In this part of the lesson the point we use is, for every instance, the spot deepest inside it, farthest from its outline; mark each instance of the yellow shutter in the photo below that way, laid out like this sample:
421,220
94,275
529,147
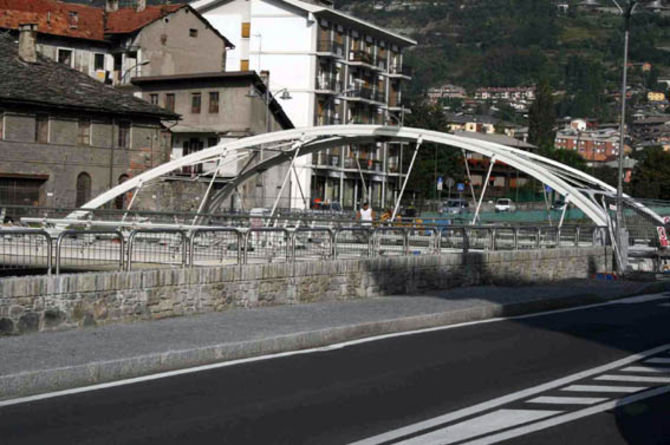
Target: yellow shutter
246,30
244,65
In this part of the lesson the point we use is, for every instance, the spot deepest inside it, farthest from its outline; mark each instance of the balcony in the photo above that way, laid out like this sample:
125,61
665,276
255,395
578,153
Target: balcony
327,83
326,119
400,71
362,57
330,47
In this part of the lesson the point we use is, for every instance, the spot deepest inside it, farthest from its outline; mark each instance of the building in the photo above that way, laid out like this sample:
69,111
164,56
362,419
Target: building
215,107
477,123
113,44
65,137
592,145
339,70
447,91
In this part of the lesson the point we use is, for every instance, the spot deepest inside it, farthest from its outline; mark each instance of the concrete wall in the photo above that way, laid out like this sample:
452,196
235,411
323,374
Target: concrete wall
30,304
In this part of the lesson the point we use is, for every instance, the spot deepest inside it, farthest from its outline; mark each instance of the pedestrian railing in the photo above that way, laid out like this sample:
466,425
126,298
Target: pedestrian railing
267,245
89,249
353,242
24,251
157,248
215,247
313,243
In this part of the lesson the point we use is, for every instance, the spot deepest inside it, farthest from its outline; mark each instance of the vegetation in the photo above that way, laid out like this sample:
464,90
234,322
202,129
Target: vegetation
519,42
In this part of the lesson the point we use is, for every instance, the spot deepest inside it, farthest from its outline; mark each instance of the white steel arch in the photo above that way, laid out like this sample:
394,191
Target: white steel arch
286,145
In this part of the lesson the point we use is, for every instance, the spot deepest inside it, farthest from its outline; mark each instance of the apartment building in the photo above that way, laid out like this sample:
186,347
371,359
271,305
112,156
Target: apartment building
113,44
592,145
338,69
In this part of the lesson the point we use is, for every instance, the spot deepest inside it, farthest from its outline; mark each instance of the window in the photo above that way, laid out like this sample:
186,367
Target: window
120,201
196,100
193,32
153,98
169,101
42,129
124,135
98,61
84,135
73,20
65,56
83,189
213,101
246,30
244,65
211,142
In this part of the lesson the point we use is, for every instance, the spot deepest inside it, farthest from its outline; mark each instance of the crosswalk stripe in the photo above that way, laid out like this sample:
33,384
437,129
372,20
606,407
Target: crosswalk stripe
567,400
495,421
633,378
603,388
654,369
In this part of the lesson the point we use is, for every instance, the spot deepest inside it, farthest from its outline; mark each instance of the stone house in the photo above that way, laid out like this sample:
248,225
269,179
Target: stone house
64,137
113,44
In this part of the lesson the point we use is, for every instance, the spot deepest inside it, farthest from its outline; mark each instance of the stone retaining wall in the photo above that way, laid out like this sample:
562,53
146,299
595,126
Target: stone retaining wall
42,303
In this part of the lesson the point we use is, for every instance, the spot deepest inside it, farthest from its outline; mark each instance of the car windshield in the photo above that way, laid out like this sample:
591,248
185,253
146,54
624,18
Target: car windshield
503,201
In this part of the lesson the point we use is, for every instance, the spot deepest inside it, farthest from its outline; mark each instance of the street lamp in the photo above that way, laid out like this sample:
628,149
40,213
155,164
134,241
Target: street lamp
138,64
627,10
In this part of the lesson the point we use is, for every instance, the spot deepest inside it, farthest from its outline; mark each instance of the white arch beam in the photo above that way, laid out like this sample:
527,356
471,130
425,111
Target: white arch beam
560,177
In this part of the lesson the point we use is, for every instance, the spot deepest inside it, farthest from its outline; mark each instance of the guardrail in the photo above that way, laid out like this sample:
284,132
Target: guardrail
83,249
24,251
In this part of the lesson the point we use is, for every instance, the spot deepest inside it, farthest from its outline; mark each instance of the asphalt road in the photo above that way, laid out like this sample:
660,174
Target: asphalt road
421,383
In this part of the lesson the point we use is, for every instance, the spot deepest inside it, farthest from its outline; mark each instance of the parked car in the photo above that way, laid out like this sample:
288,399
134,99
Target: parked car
505,205
558,205
455,206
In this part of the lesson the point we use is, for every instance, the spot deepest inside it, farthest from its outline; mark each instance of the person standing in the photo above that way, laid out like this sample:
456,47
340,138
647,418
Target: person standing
365,215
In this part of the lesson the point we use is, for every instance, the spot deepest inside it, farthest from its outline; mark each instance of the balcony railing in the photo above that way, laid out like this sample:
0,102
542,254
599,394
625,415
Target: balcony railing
327,120
330,46
361,56
328,84
401,70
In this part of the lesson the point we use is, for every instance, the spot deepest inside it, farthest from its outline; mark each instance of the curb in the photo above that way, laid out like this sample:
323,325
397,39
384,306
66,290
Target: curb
36,382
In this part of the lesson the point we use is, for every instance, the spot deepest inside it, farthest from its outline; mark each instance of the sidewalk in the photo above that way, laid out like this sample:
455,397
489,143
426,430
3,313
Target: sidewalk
43,362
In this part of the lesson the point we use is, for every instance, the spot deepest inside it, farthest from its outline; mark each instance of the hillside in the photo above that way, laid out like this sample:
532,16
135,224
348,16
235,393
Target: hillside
516,42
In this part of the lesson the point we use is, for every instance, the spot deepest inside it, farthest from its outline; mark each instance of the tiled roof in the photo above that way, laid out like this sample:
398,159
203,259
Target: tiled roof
50,84
127,20
53,17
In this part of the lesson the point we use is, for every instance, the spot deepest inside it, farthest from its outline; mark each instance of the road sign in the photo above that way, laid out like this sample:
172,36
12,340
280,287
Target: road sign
460,187
450,182
439,182
662,237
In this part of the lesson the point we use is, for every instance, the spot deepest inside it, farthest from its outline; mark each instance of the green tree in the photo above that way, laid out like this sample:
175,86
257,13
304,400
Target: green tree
541,117
651,176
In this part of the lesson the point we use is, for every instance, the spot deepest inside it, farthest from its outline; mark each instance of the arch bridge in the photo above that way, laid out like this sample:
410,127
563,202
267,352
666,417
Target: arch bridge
578,188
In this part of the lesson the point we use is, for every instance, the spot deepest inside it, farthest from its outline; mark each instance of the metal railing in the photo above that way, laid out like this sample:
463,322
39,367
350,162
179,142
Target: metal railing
157,248
29,251
89,249
25,251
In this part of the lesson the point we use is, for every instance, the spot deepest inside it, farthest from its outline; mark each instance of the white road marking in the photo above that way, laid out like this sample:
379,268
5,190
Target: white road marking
569,417
633,378
654,369
642,299
523,394
658,360
495,421
567,400
602,388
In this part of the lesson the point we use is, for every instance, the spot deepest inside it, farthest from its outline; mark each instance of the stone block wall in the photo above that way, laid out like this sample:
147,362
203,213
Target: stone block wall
43,303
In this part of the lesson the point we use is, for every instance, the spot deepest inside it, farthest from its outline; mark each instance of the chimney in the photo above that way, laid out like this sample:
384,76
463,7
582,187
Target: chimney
141,5
265,77
111,5
27,42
